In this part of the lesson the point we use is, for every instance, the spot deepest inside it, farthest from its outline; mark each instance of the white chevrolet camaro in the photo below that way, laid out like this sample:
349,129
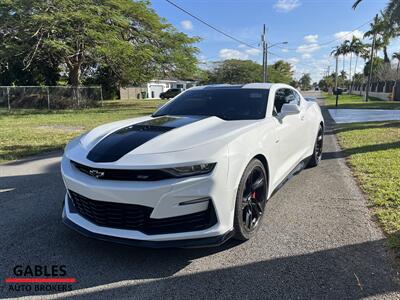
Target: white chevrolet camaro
197,172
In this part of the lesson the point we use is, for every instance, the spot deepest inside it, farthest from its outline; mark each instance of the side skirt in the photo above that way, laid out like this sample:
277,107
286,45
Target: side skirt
292,173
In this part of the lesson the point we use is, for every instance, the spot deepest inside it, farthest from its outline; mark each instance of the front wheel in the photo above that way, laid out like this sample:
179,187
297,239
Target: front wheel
317,153
250,201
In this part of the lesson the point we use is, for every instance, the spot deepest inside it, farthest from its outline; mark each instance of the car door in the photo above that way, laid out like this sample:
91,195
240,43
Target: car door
305,128
288,129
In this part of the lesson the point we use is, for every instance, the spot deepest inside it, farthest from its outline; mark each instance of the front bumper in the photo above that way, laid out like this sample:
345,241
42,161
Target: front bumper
186,243
164,197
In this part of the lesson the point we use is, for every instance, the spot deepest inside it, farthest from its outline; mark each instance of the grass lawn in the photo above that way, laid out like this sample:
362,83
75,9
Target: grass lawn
28,132
354,101
373,152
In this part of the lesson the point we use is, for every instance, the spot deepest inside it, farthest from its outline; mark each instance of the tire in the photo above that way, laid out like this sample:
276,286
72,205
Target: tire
250,201
317,153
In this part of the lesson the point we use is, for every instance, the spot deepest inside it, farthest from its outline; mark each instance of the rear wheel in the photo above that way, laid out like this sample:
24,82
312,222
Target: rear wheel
317,154
250,201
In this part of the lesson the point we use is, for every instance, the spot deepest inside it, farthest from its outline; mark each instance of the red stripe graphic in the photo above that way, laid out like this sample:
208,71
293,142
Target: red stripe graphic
37,280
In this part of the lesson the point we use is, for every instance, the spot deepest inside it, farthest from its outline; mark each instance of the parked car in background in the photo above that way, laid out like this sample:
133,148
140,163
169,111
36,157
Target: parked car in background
171,93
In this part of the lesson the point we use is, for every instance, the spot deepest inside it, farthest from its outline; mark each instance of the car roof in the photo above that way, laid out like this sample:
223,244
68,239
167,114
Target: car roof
257,85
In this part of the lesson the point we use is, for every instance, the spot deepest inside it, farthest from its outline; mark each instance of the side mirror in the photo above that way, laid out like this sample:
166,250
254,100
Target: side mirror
289,109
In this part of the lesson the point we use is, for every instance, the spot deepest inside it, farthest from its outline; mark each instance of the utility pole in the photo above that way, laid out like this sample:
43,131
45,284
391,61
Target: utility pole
336,79
371,61
265,57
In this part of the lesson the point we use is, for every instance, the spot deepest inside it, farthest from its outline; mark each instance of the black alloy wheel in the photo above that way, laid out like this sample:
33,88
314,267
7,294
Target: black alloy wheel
317,154
250,200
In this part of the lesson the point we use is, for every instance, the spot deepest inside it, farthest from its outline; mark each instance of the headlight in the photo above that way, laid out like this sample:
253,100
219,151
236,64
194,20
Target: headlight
191,170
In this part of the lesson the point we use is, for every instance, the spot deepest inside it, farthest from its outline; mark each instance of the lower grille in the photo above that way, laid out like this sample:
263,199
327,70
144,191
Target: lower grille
137,217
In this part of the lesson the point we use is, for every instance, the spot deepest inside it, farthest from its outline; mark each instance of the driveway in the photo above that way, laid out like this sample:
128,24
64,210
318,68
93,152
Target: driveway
364,115
317,241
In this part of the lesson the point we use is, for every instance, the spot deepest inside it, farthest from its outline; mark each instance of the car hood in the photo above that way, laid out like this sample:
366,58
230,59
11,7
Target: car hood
153,135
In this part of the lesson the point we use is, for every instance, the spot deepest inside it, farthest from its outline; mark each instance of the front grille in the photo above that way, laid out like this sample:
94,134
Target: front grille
137,217
120,174
110,214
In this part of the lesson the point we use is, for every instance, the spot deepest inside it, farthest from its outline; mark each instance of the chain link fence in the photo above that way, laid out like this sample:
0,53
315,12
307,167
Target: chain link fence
50,97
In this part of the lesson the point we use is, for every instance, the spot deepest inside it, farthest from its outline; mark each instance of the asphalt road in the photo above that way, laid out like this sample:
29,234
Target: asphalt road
317,241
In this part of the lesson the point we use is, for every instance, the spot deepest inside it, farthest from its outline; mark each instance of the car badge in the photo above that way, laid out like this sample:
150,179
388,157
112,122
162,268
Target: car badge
96,173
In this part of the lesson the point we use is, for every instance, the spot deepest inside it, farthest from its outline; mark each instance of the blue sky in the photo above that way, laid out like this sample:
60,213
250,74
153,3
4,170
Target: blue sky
304,24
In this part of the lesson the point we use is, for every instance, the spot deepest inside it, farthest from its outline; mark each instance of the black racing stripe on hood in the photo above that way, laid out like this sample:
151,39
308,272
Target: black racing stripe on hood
124,140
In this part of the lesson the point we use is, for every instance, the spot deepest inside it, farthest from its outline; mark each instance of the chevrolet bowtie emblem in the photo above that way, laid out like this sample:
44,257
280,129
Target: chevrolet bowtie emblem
96,173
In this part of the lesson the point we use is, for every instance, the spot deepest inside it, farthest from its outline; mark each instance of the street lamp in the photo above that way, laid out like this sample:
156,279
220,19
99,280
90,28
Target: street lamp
273,45
265,56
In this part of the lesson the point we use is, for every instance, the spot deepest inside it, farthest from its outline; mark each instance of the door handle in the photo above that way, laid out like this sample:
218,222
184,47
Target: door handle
302,117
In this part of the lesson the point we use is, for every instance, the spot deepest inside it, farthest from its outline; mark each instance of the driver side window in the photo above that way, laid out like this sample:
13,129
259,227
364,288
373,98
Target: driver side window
283,96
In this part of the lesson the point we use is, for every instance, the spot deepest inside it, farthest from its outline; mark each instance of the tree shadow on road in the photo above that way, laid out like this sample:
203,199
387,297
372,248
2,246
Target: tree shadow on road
362,149
366,125
32,233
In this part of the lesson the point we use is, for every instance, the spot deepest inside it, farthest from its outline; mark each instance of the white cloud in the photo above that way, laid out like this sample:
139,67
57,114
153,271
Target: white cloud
232,54
286,5
311,38
316,68
308,48
293,60
187,25
253,52
348,35
306,56
285,50
246,53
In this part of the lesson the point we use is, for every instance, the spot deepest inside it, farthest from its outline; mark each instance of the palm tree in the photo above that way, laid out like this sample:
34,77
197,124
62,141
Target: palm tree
385,31
392,10
345,49
356,47
396,55
337,51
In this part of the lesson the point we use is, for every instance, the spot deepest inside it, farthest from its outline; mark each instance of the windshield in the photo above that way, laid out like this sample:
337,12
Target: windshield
225,103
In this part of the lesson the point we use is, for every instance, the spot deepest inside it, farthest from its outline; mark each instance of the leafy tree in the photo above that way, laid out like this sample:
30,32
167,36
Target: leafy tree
236,71
358,78
377,63
294,83
280,71
305,81
328,82
125,38
14,73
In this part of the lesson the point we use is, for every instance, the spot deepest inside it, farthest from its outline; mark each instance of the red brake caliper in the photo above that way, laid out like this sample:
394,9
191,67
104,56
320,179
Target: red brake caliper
253,195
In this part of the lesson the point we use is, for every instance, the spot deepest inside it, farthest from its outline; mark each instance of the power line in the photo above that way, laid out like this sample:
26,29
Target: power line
330,41
211,26
285,58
